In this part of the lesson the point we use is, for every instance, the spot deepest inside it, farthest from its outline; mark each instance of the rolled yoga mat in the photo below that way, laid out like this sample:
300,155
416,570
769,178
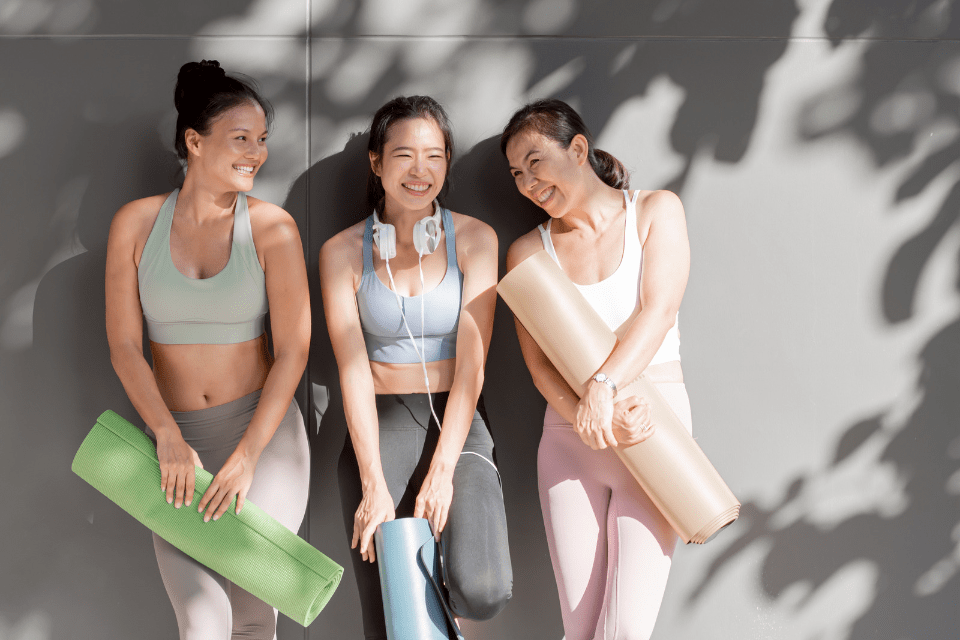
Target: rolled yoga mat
251,549
669,465
413,602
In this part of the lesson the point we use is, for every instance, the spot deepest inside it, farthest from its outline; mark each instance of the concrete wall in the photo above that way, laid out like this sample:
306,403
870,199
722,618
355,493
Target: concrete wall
814,144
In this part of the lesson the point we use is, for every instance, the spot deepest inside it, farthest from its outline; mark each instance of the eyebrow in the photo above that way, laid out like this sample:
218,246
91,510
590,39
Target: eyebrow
244,129
412,149
513,168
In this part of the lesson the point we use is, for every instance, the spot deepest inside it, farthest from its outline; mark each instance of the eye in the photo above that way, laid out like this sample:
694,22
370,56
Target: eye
534,161
515,174
241,137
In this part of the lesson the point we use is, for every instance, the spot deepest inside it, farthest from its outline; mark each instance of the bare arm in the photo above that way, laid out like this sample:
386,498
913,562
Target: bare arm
340,270
666,266
124,319
477,257
629,415
278,240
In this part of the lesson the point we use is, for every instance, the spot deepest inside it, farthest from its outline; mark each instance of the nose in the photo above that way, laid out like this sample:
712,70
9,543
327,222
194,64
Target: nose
529,180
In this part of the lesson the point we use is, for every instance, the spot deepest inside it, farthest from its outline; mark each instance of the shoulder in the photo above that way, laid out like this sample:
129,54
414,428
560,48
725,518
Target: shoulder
271,224
659,203
523,247
472,233
345,248
134,220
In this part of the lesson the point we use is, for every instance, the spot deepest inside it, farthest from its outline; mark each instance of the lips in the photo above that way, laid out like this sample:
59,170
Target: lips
545,195
417,188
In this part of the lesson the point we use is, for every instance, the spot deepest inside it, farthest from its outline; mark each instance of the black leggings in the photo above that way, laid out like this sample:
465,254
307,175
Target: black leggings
476,558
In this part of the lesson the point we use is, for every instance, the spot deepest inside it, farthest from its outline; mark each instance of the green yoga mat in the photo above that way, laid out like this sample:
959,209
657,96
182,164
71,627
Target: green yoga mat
251,550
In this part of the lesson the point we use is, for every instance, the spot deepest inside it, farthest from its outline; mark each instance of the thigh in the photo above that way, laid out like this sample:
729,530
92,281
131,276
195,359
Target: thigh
198,594
281,481
574,504
477,566
640,546
253,619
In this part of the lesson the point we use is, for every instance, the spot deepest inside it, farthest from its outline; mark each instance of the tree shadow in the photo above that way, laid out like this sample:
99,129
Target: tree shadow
897,469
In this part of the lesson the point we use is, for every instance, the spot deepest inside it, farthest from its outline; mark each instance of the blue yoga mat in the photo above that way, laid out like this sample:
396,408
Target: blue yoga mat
414,605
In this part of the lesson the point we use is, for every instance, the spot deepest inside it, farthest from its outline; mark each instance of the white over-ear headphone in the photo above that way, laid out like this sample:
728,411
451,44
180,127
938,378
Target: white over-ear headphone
426,235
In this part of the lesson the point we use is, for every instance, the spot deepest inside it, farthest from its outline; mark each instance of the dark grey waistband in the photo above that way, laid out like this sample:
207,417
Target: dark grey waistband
217,427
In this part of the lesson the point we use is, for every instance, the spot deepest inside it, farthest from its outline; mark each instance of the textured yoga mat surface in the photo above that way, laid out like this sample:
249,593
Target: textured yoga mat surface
251,549
669,465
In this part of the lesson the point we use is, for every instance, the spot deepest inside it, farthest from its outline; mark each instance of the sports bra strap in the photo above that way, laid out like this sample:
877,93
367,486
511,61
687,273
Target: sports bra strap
368,246
451,237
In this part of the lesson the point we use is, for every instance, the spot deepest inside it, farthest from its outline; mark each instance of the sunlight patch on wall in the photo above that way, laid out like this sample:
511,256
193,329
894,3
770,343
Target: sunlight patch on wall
263,59
420,17
36,625
40,16
549,16
832,610
274,17
13,128
638,134
16,316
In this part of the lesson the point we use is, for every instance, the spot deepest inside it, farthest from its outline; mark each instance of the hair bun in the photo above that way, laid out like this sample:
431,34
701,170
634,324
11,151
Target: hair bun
195,75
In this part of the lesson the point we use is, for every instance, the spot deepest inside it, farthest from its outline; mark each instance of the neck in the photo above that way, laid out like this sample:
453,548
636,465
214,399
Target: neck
403,218
598,201
199,202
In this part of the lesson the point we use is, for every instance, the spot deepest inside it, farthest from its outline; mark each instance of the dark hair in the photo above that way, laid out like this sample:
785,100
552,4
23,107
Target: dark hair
397,110
556,120
204,91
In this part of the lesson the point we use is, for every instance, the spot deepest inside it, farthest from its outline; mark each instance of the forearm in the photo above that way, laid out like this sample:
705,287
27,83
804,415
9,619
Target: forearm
278,389
359,406
141,387
640,344
457,417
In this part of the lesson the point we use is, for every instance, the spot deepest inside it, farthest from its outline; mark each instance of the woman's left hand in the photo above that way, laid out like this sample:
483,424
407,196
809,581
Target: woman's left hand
594,422
433,501
233,479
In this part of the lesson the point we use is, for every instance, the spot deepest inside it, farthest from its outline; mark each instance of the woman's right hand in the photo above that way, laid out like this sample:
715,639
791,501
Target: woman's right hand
631,421
177,461
375,507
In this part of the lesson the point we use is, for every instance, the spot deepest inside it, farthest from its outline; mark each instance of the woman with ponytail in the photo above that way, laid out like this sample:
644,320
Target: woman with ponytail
610,547
200,265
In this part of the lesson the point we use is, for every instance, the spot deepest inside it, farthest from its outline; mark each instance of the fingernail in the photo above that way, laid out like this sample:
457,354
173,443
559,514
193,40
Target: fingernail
216,517
169,500
188,502
206,518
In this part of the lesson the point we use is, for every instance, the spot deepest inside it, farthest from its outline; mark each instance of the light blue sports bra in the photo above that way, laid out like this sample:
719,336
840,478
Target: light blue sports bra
226,308
383,331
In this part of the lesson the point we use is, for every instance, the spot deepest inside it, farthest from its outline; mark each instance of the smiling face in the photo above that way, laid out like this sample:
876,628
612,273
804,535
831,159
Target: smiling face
234,150
545,172
413,165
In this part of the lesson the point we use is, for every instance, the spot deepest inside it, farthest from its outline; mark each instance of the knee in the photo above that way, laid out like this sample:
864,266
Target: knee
480,597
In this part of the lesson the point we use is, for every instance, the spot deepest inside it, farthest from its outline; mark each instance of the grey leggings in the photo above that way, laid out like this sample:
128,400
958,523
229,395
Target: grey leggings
476,558
207,605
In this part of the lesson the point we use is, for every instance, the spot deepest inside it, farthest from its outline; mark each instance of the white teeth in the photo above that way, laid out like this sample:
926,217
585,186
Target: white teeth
546,194
244,170
418,187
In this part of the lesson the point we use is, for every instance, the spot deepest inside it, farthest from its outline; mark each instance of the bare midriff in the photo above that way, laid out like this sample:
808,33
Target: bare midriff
408,378
198,376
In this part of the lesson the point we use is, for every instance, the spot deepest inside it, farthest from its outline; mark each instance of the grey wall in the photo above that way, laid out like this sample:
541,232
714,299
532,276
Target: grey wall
813,142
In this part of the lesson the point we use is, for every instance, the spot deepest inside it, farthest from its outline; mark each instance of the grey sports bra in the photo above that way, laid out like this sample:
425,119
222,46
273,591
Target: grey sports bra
226,308
385,337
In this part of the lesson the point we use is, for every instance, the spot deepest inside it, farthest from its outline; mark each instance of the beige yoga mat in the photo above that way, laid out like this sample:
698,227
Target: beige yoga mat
669,465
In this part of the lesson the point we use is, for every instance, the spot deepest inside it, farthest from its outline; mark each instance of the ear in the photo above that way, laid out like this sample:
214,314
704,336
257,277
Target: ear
192,140
374,163
580,148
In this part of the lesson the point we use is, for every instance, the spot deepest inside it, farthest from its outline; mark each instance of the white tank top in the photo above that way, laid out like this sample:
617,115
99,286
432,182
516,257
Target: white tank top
617,298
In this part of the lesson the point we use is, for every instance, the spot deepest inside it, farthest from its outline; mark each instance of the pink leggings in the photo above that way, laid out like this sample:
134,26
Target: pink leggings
611,549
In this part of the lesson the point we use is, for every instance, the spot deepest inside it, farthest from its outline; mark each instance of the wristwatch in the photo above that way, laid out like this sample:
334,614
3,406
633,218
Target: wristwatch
605,379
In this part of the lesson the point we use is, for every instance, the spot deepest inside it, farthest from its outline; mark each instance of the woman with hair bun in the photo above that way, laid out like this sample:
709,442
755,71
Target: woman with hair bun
409,297
610,547
203,265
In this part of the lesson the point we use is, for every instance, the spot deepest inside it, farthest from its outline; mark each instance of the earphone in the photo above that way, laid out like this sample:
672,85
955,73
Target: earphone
426,235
